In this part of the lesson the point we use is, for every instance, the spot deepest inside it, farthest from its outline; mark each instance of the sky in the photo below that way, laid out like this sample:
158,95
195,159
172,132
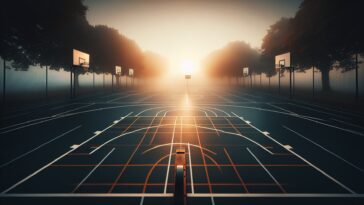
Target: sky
187,31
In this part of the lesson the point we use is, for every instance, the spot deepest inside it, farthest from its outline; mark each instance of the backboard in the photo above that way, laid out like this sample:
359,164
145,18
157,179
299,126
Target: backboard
188,77
131,72
283,61
81,59
245,71
118,70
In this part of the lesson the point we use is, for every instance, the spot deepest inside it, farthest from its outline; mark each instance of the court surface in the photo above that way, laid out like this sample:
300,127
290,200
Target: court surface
241,148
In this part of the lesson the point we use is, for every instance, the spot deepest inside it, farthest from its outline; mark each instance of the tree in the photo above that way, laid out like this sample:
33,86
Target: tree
42,32
229,60
45,32
322,33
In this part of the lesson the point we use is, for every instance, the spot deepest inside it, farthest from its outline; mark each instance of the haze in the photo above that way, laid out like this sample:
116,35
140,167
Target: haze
189,30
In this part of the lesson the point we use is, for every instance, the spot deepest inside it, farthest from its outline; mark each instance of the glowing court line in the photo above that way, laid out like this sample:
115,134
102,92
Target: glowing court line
170,156
89,174
178,109
177,143
266,170
159,112
204,161
68,111
213,125
60,157
203,195
238,134
303,159
236,171
87,195
191,173
209,110
40,146
141,112
227,114
207,128
279,195
330,152
136,148
149,174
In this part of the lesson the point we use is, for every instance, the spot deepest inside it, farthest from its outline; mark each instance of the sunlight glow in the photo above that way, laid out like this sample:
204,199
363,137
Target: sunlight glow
187,67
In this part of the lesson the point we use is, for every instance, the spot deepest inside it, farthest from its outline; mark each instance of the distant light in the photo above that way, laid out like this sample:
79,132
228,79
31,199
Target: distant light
187,67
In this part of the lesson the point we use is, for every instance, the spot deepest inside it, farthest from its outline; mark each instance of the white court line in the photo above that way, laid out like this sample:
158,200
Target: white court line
156,115
178,109
330,152
87,195
78,108
293,113
202,195
179,143
267,110
213,112
170,156
141,112
297,155
193,125
191,173
280,108
339,128
141,200
266,170
227,114
278,195
118,98
36,172
224,99
328,109
64,105
347,123
89,174
244,98
60,116
319,111
28,125
21,123
40,146
60,157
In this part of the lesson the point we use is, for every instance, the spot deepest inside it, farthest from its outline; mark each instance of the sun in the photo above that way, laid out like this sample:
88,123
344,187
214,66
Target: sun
187,66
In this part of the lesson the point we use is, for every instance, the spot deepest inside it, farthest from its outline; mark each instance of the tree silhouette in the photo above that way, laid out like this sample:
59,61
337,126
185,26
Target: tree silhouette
45,32
229,60
322,33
